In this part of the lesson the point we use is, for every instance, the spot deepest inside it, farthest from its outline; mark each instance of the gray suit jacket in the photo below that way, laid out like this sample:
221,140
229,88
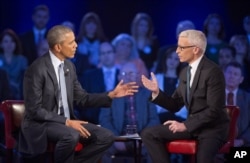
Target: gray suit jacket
41,102
207,115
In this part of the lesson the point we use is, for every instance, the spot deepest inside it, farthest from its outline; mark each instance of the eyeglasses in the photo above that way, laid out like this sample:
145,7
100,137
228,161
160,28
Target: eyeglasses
185,47
129,73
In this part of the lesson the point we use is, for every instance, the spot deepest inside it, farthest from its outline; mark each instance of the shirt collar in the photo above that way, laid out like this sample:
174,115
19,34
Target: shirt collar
195,64
234,91
105,69
55,61
37,31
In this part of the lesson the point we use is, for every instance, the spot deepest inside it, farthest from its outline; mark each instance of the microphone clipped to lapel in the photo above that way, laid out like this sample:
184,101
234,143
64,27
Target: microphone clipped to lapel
66,72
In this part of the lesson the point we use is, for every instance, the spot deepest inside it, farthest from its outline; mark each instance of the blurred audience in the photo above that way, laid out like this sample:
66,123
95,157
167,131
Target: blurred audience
181,26
32,37
99,80
69,24
237,96
126,51
226,55
89,37
142,30
239,42
42,47
130,110
12,61
4,86
215,33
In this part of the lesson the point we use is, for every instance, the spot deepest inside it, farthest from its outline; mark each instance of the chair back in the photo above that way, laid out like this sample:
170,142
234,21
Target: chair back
13,111
233,113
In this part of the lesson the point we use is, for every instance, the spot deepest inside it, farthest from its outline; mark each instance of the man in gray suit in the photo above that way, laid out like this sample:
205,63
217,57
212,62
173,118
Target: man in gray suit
43,121
234,77
119,115
203,95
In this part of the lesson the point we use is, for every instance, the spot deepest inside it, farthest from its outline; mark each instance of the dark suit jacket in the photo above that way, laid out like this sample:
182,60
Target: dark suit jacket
114,118
41,102
207,115
4,86
243,101
29,46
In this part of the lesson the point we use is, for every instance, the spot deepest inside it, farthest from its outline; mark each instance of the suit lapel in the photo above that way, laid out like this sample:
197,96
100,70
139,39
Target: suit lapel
196,78
52,75
67,80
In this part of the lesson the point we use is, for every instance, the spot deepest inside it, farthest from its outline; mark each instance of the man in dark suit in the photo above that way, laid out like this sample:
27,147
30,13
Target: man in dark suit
207,120
46,101
31,38
99,80
234,77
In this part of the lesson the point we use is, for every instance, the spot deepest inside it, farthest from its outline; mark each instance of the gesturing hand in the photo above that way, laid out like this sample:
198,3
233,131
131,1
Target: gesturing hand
175,126
151,85
77,125
124,89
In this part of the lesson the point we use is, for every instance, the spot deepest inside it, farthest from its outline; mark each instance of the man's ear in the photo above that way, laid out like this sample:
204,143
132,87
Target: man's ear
241,79
57,47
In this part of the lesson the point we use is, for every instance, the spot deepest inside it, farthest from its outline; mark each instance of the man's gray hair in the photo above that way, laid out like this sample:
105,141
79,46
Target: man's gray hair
195,37
56,35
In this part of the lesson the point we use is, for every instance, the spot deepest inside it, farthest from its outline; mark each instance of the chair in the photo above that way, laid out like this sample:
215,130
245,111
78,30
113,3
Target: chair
13,111
189,147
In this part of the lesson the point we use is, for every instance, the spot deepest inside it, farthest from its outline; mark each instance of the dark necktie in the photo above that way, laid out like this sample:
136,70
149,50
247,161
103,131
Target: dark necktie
39,37
188,83
63,102
230,98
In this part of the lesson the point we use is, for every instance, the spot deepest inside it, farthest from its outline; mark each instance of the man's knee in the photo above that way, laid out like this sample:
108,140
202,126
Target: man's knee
146,133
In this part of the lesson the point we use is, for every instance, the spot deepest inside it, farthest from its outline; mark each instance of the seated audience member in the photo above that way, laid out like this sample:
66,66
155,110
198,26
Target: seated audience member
89,37
246,26
69,24
135,110
31,38
12,61
99,80
4,86
4,95
168,81
142,30
226,55
126,51
181,26
215,32
237,96
240,43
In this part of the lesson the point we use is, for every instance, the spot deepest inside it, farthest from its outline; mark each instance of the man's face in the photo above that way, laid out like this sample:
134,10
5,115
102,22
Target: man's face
185,51
123,49
225,56
40,19
129,74
68,46
233,76
107,56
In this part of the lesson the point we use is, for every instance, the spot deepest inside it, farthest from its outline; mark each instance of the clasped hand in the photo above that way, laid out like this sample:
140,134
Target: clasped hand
78,125
175,126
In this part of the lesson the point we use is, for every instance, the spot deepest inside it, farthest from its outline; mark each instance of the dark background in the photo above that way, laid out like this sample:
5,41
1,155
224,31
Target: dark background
116,15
